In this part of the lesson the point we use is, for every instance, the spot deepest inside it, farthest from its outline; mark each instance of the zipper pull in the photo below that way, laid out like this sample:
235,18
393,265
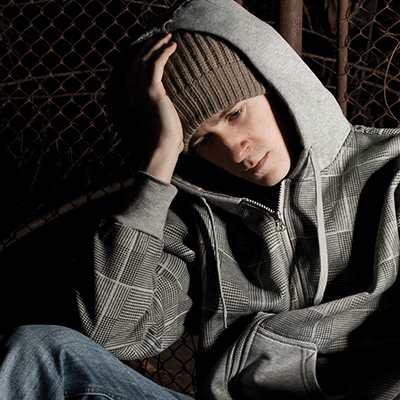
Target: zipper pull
280,225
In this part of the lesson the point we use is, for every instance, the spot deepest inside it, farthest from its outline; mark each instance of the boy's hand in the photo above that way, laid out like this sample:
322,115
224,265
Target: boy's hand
153,109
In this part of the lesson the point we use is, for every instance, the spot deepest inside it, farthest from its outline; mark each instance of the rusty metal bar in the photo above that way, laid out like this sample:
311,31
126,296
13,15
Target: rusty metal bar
291,23
342,55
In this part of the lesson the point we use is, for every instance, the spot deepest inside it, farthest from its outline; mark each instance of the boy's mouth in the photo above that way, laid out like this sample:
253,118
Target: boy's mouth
257,168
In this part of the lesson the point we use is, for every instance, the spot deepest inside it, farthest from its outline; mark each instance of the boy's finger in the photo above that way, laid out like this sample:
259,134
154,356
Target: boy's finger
164,54
147,70
158,66
155,46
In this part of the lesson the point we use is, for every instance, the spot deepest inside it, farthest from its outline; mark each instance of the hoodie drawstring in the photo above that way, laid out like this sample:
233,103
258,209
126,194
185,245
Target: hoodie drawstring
323,252
216,253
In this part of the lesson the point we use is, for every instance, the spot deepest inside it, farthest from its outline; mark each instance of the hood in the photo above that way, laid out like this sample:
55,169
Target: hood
320,122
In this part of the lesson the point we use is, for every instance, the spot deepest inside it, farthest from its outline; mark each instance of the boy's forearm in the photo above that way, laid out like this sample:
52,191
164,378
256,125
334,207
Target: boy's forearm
152,107
163,161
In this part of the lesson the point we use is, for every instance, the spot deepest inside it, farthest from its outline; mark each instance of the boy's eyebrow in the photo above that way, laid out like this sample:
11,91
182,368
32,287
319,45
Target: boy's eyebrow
216,118
222,113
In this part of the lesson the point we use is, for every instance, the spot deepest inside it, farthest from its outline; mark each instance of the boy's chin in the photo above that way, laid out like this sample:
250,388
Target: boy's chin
266,181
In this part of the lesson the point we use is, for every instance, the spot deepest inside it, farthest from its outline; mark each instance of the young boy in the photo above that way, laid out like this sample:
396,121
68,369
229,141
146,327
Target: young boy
274,237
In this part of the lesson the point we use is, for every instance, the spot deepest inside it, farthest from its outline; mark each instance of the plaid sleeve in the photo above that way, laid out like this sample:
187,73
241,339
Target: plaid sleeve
135,300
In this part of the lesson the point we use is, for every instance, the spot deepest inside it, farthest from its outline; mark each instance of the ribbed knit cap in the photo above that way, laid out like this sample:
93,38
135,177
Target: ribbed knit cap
205,76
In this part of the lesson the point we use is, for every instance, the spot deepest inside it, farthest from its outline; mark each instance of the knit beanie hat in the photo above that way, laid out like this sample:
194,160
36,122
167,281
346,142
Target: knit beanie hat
205,76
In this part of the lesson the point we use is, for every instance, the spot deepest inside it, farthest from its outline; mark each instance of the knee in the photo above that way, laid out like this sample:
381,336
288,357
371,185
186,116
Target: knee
40,339
33,359
28,333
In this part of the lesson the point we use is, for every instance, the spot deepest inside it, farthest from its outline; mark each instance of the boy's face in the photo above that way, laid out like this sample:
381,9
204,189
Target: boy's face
246,141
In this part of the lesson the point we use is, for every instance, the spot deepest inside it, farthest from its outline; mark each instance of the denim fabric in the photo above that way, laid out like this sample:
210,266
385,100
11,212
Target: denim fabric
52,362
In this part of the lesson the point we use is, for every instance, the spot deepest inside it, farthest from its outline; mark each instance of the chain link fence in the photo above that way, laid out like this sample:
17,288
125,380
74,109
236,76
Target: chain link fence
58,151
374,68
370,49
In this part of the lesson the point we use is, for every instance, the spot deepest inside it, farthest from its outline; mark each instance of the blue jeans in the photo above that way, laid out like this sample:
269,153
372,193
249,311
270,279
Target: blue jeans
40,362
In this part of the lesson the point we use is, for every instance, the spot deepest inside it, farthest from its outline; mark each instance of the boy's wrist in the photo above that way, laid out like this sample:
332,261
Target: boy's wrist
163,161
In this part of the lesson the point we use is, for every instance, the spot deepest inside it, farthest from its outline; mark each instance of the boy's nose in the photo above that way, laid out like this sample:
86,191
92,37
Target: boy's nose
237,148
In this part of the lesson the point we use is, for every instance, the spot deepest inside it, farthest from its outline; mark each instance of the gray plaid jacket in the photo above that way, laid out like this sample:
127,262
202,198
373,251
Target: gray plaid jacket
248,271
286,300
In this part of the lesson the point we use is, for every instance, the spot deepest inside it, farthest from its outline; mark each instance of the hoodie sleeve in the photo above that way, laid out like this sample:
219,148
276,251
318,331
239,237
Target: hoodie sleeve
136,299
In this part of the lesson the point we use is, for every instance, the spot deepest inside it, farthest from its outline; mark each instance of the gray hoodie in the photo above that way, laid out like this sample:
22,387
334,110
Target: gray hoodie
294,300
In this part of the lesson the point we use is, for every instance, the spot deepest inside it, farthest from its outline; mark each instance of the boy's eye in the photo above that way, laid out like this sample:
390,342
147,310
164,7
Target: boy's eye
202,141
235,114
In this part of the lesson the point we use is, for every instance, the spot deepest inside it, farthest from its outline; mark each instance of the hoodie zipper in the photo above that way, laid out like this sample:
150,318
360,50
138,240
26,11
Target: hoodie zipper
277,215
280,224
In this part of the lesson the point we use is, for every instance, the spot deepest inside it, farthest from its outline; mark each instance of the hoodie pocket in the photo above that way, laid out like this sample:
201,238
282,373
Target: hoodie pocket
276,367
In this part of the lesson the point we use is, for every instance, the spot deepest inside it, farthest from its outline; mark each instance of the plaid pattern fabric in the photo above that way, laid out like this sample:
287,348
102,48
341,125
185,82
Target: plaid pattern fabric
136,284
145,286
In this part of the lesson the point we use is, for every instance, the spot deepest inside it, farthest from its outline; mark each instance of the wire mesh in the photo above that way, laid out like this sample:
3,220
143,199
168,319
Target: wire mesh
56,141
373,70
58,150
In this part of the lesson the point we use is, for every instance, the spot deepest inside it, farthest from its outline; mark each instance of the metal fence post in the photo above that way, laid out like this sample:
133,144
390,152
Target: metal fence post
342,56
291,23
